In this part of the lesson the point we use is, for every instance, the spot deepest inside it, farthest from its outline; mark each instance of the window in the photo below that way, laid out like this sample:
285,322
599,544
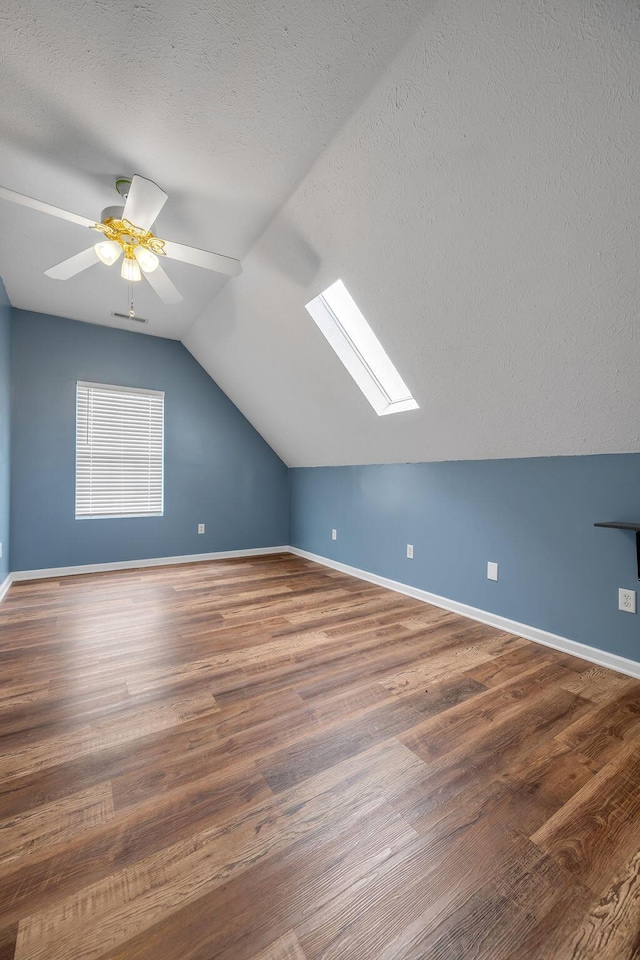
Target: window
337,314
119,451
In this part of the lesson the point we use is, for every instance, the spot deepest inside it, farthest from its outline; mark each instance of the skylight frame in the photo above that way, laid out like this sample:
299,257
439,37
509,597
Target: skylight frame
345,328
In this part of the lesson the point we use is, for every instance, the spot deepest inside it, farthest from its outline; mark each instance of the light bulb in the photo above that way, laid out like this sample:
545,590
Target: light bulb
146,258
108,251
130,269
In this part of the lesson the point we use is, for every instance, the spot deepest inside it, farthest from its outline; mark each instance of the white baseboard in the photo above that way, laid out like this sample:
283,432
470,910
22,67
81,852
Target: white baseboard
49,573
5,586
600,657
610,660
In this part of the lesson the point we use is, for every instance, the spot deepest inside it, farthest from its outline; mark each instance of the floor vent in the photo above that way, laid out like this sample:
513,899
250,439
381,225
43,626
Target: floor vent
125,316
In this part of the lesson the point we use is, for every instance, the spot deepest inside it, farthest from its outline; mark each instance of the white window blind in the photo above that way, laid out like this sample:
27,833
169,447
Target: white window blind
119,451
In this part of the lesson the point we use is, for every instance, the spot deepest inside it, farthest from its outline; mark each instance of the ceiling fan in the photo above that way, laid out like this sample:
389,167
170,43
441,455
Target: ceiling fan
127,231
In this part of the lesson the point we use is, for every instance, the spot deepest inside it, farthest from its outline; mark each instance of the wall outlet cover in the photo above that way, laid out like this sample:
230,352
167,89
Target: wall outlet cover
409,551
201,528
627,600
334,534
492,570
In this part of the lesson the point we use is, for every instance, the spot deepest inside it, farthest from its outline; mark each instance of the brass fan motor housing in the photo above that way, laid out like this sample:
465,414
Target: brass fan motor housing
129,237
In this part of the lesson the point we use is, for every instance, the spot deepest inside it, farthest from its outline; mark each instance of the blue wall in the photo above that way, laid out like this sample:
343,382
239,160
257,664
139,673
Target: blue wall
218,469
5,432
534,517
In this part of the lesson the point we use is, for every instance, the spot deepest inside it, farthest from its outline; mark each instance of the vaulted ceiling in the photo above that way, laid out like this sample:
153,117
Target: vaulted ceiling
469,168
224,103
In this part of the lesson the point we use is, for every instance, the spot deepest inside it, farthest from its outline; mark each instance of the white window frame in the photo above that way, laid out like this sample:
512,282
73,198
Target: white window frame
339,318
115,388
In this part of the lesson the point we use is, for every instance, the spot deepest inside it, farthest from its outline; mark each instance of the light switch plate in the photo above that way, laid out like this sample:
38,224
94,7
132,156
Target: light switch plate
492,571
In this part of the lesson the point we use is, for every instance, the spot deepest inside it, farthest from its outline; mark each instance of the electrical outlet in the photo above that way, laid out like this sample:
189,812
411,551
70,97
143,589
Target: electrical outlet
492,571
201,528
0,549
409,551
334,534
627,600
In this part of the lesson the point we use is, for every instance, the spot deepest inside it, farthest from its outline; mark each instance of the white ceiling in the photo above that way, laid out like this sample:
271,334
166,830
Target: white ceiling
483,207
476,185
225,104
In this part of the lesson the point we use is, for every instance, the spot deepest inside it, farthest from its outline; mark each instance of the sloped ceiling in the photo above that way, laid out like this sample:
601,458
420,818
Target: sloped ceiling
483,208
224,103
469,168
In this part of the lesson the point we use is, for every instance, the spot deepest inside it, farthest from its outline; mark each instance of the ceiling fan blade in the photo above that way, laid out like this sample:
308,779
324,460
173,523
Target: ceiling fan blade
202,258
69,268
42,207
144,202
163,286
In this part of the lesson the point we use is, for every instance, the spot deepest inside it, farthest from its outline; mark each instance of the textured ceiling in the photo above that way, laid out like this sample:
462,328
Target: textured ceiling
469,168
483,207
224,103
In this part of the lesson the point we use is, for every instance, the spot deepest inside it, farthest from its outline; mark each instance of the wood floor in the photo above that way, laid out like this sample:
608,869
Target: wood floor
265,760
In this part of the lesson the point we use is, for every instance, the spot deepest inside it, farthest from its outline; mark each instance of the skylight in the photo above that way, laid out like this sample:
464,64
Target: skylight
337,314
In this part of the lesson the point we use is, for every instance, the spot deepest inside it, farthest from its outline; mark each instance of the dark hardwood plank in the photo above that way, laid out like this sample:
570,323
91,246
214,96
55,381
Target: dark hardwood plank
276,894
114,910
601,732
610,802
261,759
8,937
285,948
127,837
610,925
314,753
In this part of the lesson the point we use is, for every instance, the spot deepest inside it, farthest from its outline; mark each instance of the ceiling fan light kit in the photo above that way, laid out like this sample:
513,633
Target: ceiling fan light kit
140,247
127,231
108,251
130,270
146,258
